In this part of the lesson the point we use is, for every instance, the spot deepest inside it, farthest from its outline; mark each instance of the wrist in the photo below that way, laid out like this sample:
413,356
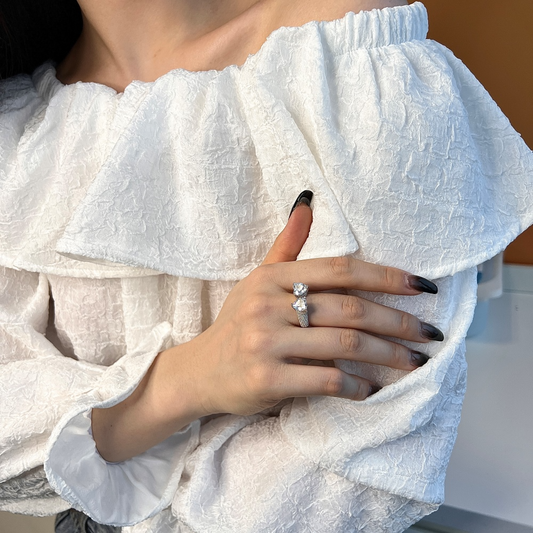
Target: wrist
176,386
163,403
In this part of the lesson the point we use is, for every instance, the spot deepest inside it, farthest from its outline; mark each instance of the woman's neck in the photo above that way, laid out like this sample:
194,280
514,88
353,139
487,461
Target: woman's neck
125,40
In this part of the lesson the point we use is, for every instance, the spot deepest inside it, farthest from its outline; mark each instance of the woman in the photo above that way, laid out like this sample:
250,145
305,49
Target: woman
168,387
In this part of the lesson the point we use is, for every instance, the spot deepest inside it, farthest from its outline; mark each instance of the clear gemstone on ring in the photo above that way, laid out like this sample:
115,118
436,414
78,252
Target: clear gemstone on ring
300,305
300,289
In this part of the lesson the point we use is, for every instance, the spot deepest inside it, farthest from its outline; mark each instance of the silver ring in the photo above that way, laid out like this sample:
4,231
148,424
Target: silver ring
300,290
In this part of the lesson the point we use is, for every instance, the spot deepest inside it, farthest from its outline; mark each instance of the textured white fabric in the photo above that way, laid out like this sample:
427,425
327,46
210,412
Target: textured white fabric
137,212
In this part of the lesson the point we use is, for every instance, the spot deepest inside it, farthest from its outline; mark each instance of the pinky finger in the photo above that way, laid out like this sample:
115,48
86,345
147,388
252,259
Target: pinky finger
310,380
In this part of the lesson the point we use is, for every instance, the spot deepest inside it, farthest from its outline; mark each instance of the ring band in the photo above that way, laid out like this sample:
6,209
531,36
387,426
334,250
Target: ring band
300,290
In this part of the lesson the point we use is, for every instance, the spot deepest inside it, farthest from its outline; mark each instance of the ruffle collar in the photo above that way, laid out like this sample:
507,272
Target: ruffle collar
194,174
364,29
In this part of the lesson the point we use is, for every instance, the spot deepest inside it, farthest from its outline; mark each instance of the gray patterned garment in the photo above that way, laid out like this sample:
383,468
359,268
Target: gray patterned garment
72,521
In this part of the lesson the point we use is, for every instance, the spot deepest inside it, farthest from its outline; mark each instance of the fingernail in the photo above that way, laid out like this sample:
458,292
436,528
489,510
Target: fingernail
422,284
374,389
431,332
304,197
418,359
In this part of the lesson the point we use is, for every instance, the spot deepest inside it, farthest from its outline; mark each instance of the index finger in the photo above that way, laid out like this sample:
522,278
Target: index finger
350,273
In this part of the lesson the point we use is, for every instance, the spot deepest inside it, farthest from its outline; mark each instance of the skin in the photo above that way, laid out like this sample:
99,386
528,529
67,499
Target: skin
126,40
255,354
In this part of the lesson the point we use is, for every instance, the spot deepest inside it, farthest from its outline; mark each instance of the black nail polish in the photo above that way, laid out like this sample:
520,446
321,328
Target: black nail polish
422,284
304,197
418,359
374,389
431,332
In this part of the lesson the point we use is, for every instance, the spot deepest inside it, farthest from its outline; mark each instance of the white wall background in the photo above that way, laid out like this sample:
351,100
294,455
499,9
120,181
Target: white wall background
491,469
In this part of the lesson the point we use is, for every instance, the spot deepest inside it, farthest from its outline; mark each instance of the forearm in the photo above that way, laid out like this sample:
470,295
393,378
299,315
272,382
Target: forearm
163,403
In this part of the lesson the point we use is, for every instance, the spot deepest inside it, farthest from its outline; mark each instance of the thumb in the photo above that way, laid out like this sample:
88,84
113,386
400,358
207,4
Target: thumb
290,241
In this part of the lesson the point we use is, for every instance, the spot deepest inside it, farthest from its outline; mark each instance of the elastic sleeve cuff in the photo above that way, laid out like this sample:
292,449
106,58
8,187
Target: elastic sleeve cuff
120,494
124,493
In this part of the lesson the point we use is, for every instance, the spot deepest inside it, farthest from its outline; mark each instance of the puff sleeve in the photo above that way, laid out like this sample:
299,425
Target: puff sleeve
45,403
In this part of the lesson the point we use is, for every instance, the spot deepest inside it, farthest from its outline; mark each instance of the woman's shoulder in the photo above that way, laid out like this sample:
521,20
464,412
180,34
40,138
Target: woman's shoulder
300,12
297,16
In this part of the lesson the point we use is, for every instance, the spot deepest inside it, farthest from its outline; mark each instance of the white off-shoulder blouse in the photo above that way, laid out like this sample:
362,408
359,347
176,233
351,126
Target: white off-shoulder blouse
126,218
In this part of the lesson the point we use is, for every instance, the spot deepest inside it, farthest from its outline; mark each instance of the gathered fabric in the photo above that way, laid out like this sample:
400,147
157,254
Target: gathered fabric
127,218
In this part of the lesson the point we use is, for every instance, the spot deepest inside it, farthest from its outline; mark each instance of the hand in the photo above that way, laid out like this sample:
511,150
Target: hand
247,360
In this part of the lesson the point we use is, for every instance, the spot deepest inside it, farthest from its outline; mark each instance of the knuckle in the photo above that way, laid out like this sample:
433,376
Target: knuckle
341,266
257,308
406,325
261,274
388,275
353,308
398,356
257,343
334,382
350,341
265,380
252,308
260,379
